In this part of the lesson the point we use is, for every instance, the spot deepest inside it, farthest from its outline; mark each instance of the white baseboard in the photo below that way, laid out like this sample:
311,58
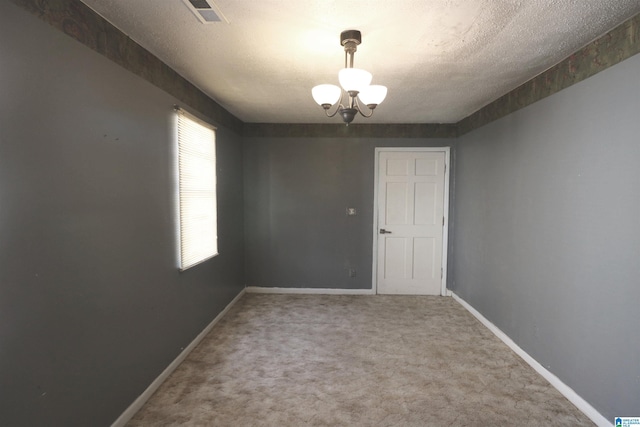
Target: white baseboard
566,391
320,291
142,399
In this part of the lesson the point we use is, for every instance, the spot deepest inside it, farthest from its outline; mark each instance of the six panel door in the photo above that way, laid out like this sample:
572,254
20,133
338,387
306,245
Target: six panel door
410,222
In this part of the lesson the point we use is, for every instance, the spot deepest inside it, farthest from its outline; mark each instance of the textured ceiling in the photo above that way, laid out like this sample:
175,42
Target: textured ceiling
441,59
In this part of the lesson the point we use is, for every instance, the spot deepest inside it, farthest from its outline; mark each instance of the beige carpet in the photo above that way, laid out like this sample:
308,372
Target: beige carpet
298,360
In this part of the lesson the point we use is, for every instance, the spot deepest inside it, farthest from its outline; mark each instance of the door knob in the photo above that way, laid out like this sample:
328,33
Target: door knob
383,231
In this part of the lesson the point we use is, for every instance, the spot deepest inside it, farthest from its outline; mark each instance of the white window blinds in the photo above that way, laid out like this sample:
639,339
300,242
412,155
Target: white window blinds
197,190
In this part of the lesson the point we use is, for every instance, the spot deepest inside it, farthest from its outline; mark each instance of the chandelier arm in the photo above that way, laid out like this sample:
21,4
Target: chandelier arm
359,108
338,106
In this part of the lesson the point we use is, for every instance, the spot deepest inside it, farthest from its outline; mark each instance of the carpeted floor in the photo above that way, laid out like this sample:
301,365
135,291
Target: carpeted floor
320,360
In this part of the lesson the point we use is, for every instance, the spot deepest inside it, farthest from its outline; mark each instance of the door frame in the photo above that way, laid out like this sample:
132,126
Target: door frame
445,227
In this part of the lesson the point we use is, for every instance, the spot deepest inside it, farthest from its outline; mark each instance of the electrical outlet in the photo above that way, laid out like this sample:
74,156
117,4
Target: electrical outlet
352,272
352,212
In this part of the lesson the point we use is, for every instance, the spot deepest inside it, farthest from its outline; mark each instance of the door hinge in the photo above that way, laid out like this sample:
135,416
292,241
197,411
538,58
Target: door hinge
443,221
441,272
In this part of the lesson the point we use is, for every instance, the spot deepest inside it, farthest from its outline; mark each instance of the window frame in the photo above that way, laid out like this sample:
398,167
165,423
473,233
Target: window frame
196,190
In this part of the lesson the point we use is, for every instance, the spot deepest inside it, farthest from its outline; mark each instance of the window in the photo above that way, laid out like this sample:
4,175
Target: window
196,190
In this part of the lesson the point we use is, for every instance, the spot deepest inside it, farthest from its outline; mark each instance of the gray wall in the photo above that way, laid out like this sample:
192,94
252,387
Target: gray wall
547,237
92,306
297,191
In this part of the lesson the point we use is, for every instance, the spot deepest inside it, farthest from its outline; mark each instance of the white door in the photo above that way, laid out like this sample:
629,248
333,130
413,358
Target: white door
411,187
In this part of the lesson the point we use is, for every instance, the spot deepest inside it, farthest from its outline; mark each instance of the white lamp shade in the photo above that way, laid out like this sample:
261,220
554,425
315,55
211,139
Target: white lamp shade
354,79
373,94
326,94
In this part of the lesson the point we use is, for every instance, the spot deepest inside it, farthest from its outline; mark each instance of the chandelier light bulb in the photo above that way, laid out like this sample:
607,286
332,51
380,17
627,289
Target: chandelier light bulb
326,94
354,79
373,95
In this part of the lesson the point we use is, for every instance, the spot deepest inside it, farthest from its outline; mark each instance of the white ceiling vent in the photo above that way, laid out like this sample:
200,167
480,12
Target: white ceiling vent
206,11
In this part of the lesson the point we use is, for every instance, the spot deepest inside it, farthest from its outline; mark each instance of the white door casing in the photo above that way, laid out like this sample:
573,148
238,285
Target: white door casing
410,226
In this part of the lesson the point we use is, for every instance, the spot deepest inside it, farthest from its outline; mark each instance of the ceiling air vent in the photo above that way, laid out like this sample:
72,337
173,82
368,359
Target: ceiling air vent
206,11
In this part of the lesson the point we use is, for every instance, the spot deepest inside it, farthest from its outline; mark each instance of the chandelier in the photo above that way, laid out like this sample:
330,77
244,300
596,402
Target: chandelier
354,81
